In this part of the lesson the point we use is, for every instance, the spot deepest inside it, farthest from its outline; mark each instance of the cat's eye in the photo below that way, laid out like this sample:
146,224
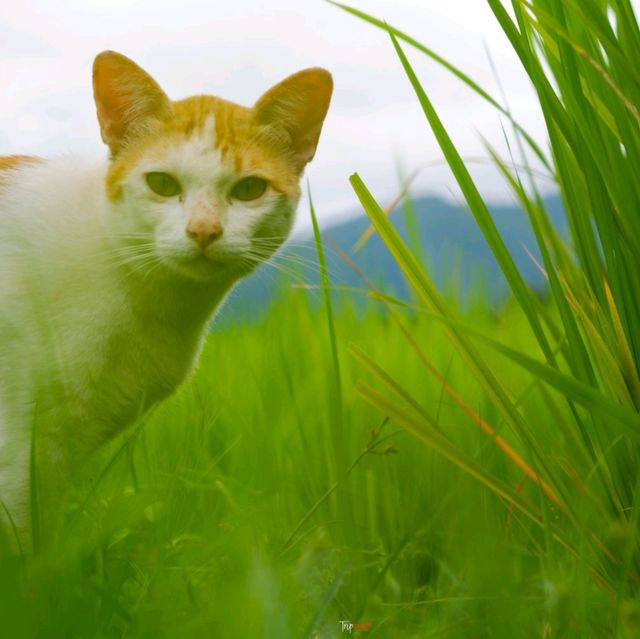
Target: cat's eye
248,189
163,184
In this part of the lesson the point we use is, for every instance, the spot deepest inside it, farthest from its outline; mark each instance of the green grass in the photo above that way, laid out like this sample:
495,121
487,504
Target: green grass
430,472
223,516
228,513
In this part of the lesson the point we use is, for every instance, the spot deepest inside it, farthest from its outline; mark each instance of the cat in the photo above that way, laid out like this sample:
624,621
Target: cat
110,271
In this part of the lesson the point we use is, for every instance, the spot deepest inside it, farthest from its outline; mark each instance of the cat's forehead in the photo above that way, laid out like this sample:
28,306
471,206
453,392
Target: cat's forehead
191,113
194,151
191,138
211,131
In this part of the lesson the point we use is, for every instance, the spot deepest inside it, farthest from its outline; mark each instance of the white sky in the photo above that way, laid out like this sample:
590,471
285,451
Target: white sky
238,48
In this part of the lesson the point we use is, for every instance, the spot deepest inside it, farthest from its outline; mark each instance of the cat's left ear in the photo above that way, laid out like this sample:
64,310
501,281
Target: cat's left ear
127,99
298,105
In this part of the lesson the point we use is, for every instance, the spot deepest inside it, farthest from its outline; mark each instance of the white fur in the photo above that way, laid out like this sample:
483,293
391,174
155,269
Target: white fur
90,334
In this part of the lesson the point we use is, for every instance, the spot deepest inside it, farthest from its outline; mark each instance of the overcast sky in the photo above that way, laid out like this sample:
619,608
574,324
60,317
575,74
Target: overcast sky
237,49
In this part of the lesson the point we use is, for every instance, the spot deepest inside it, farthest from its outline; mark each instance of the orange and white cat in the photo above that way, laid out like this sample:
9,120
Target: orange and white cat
110,271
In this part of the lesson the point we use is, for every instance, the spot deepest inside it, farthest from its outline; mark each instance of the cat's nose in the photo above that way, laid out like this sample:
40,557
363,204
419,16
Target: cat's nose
204,229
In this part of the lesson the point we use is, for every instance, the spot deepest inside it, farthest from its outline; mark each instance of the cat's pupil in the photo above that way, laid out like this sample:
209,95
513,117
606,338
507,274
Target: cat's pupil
163,184
250,188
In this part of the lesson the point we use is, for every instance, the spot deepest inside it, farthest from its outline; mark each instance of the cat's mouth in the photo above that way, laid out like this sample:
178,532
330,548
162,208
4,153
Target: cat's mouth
205,264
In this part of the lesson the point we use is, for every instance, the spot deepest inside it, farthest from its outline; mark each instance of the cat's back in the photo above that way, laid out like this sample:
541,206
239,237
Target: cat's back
56,288
16,171
51,232
52,214
11,163
56,189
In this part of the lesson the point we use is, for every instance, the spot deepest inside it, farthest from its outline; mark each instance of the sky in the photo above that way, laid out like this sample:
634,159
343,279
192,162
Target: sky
238,49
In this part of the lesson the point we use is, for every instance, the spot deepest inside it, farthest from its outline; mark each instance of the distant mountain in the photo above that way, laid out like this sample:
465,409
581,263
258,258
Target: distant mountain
451,247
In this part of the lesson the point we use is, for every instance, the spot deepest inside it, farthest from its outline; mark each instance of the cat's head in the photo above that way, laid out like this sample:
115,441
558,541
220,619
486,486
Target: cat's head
202,185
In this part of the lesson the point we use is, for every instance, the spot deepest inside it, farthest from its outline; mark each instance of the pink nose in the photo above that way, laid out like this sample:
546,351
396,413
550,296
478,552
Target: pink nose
204,230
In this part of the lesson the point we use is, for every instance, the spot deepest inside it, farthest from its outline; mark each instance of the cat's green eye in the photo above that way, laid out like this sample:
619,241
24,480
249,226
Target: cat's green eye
247,189
163,184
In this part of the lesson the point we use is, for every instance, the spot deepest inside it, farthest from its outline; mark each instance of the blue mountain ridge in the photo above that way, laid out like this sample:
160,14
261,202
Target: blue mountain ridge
452,249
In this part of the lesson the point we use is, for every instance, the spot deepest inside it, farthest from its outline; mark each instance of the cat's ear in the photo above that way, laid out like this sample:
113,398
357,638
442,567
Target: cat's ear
298,105
127,98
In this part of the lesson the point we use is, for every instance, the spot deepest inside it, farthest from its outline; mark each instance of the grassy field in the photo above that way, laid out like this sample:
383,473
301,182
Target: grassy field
257,503
401,465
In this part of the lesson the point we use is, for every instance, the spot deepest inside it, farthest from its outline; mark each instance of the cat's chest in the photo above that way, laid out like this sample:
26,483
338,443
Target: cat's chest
152,361
121,364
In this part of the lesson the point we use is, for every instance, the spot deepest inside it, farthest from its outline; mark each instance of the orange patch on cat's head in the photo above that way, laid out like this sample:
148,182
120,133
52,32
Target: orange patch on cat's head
245,147
11,162
276,137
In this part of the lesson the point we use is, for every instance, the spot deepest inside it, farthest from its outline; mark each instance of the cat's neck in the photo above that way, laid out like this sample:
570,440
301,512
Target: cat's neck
166,299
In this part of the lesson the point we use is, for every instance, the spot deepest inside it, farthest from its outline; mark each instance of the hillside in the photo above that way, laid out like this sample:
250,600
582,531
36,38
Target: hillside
452,248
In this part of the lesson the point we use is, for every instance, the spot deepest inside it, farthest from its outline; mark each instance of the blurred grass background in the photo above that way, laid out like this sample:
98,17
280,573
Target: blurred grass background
231,513
427,471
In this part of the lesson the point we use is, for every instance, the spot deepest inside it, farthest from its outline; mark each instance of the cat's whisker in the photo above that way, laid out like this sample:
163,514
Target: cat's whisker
134,234
271,246
139,263
284,269
125,250
129,261
292,259
138,257
297,260
278,241
252,262
132,250
284,241
287,264
309,242
152,268
124,257
256,260
330,255
129,242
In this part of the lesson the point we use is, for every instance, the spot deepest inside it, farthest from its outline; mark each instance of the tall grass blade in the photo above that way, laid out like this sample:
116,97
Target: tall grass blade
477,206
326,290
450,67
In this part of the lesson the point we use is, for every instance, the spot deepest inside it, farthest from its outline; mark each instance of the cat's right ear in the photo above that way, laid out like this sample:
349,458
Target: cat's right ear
126,97
298,105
